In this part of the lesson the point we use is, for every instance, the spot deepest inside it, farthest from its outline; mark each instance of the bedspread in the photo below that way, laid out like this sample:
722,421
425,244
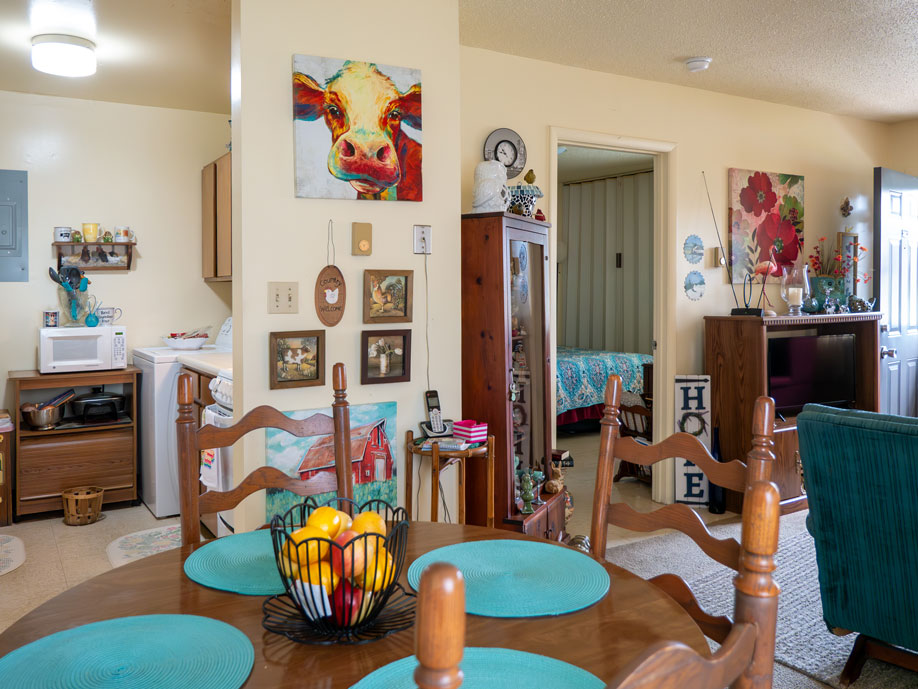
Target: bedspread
582,375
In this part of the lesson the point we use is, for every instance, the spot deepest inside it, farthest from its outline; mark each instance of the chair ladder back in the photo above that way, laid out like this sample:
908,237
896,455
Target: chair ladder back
191,440
439,637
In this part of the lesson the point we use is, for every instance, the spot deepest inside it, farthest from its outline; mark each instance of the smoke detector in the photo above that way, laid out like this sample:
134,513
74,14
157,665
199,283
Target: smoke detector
698,64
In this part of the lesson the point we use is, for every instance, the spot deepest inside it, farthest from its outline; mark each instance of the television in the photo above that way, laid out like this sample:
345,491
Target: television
811,368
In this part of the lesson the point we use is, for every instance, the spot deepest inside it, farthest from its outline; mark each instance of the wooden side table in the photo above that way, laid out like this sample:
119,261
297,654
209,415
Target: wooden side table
6,477
440,460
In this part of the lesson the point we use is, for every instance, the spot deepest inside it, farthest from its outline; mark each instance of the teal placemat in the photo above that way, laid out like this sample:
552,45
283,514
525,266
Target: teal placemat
509,578
143,652
241,563
491,668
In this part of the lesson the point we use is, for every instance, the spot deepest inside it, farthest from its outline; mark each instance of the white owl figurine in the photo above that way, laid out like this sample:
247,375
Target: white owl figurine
491,193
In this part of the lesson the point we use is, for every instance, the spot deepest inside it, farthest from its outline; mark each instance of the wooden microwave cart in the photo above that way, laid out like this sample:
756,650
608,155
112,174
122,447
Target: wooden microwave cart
101,454
736,358
505,279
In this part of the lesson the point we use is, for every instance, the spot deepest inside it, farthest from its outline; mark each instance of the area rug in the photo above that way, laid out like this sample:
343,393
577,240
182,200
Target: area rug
803,641
12,553
143,543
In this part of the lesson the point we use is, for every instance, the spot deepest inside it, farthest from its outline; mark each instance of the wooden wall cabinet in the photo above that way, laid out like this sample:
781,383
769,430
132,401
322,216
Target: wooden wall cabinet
217,219
101,454
736,358
505,344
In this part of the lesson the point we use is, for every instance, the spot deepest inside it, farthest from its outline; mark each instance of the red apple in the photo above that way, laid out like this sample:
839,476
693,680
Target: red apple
349,560
347,600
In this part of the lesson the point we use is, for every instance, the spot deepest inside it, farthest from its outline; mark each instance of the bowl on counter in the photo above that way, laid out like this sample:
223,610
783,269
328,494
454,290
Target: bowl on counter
42,419
185,342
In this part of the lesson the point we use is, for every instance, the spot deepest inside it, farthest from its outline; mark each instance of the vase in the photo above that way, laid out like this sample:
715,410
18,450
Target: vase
383,364
828,287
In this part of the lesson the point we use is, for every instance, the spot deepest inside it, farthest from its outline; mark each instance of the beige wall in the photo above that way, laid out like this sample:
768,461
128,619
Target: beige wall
710,131
116,164
903,149
284,238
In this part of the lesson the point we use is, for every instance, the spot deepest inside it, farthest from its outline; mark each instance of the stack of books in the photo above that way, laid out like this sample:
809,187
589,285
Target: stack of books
446,443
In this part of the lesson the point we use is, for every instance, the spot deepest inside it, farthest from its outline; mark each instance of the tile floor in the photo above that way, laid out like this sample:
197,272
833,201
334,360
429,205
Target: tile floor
60,556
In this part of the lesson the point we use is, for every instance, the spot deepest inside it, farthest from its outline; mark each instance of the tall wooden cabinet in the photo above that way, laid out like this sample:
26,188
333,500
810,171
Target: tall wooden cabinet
217,219
736,358
506,378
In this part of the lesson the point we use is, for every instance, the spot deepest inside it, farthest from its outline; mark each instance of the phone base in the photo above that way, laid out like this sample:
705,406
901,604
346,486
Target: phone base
430,433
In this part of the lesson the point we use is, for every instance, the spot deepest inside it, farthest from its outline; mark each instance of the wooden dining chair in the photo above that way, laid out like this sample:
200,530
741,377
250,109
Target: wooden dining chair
734,475
191,440
439,637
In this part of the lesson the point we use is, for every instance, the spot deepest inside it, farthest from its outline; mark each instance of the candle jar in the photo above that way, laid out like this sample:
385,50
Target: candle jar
795,288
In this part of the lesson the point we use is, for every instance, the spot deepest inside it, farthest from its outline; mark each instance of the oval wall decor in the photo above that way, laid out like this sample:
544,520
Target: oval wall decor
331,295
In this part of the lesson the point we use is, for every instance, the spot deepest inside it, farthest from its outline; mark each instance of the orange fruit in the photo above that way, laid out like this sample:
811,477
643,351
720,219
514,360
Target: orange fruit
378,572
326,518
320,574
369,522
345,523
309,552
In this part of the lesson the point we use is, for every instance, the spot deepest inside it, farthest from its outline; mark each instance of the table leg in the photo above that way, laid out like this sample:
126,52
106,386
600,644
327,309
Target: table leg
409,473
461,496
434,481
490,482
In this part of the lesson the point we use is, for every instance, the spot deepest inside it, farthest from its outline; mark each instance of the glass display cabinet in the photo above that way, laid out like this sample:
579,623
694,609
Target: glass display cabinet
506,367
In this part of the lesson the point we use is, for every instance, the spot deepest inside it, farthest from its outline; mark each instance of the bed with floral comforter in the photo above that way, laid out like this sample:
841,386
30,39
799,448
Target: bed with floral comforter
582,375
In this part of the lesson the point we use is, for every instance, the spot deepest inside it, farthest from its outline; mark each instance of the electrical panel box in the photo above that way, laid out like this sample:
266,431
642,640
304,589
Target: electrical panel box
14,226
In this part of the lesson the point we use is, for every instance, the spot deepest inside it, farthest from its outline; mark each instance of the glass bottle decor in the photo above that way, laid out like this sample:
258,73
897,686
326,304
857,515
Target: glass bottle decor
795,287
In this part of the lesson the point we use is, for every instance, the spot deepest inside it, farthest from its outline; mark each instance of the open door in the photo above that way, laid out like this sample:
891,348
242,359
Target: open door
895,221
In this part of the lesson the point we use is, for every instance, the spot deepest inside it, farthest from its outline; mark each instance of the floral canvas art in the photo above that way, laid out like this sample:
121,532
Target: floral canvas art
766,221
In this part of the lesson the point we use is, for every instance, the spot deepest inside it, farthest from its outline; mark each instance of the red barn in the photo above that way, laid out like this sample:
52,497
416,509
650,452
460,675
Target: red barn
371,456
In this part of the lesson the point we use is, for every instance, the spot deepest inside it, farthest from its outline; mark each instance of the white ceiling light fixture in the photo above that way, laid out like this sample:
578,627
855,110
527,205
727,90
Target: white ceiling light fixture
64,55
697,64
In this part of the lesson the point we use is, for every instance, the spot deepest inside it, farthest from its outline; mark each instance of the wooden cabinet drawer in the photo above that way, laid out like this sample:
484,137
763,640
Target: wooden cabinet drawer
47,466
554,524
536,524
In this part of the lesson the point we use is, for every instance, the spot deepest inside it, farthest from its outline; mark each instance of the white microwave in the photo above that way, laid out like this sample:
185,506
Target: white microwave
82,349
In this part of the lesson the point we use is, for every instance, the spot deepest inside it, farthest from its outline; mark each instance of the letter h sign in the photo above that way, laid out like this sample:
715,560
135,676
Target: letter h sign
693,415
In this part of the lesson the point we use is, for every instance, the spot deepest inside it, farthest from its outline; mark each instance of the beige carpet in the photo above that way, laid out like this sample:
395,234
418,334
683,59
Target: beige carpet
12,553
803,642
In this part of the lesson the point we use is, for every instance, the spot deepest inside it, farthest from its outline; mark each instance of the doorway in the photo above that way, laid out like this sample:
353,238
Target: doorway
660,155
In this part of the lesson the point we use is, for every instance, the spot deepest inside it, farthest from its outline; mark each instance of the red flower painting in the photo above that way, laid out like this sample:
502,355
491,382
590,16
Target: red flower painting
758,197
780,235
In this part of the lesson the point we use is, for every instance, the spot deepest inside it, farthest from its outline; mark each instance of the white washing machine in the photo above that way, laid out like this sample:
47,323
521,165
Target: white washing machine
160,368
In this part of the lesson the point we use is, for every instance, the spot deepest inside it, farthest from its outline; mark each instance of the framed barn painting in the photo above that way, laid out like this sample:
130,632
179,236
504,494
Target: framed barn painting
385,356
373,456
766,222
388,296
357,130
297,359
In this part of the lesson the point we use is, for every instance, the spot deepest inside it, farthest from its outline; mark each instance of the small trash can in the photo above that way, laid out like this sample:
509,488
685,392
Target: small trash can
82,505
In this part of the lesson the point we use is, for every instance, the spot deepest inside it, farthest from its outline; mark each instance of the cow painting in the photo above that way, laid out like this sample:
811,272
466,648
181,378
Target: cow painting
357,130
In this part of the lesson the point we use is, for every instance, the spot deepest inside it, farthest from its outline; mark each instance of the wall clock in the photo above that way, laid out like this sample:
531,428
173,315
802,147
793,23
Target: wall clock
507,147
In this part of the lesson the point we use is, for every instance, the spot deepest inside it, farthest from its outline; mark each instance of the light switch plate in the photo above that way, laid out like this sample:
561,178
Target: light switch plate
283,297
361,239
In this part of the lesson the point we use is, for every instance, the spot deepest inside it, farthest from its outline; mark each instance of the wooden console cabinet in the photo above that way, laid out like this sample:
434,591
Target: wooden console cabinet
71,455
506,379
736,358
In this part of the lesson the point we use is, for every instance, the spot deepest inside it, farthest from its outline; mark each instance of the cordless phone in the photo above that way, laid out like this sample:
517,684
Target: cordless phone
436,425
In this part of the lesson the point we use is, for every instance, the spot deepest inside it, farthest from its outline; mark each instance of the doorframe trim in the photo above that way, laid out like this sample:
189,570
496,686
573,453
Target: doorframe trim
664,266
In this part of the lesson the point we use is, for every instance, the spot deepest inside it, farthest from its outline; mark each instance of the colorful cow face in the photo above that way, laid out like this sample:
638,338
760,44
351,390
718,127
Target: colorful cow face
364,112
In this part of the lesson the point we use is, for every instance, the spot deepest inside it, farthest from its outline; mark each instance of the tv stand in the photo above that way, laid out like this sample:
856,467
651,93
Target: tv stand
736,358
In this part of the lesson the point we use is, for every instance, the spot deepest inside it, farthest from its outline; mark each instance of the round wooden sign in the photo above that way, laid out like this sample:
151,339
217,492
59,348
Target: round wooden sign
331,295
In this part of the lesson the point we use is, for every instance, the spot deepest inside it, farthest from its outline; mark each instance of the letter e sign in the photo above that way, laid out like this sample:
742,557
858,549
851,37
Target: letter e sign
331,295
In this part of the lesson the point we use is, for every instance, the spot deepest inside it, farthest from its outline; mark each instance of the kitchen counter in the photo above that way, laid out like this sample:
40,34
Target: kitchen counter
208,362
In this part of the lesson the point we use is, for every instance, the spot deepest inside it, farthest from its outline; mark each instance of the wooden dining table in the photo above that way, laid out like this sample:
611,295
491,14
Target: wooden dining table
601,638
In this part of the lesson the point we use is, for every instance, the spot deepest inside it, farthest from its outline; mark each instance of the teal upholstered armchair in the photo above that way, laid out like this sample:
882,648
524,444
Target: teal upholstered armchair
861,474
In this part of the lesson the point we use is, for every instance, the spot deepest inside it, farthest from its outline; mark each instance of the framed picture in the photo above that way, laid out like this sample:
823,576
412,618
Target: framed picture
387,296
847,248
385,356
297,359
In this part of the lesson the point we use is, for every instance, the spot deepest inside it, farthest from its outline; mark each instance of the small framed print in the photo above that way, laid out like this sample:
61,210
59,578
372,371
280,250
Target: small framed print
385,356
387,296
297,359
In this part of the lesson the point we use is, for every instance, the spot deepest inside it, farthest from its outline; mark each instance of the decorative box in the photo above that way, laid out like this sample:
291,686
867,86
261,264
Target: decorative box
471,431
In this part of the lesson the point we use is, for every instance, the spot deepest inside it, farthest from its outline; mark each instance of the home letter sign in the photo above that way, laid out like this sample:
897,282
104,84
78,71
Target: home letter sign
693,415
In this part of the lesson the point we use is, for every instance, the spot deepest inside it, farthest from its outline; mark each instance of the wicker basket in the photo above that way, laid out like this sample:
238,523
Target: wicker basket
82,505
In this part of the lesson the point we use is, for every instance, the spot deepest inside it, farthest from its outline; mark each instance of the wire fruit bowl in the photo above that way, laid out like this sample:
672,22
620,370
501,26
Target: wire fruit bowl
339,592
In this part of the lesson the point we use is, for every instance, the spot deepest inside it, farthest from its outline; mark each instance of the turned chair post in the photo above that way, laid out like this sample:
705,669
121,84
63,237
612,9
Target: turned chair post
756,591
342,417
188,462
610,425
761,458
440,629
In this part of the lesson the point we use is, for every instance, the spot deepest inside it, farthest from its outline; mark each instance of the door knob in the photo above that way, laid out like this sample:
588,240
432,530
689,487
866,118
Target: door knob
887,352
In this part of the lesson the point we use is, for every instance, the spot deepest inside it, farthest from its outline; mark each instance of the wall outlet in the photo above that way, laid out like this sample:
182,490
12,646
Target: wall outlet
422,239
283,297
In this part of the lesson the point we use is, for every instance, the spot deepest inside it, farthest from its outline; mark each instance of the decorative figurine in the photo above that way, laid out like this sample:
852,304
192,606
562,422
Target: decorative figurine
526,493
858,305
84,255
107,237
76,236
529,177
101,255
539,215
556,483
491,193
